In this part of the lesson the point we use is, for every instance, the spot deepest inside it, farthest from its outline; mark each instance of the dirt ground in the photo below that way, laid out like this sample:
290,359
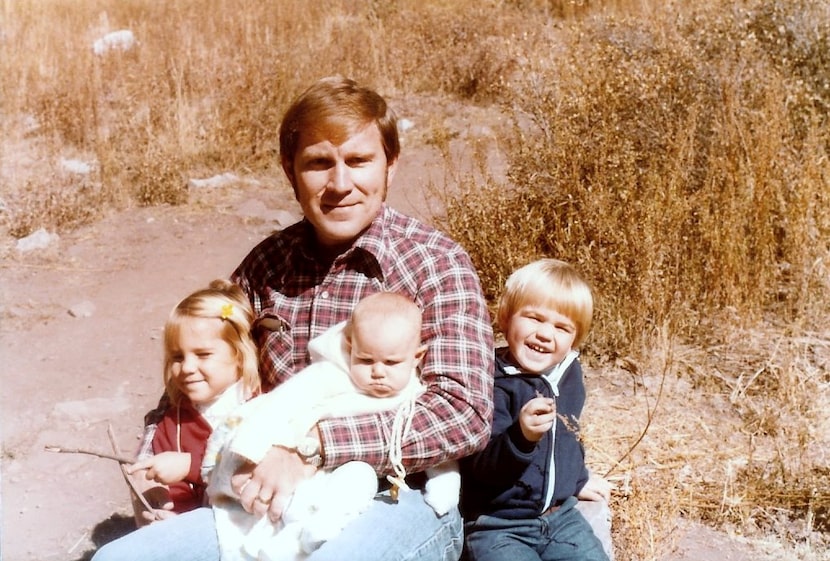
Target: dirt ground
80,325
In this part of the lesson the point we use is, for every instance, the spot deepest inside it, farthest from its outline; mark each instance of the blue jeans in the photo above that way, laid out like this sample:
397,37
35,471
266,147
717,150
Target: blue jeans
563,535
408,530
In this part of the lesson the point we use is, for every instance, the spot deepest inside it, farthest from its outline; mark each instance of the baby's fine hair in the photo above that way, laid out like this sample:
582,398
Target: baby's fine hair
379,305
226,302
553,284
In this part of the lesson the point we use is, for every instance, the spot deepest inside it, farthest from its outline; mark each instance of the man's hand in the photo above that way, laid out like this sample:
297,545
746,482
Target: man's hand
537,417
166,468
267,487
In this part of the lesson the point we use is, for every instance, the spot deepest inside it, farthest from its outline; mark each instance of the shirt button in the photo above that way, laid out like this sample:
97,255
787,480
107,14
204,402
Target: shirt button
325,294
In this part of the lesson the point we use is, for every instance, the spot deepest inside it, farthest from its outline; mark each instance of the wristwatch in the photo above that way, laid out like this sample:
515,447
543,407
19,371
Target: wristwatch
309,450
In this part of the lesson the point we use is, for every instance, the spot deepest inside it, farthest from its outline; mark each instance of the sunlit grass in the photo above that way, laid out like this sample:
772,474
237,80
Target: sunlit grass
676,153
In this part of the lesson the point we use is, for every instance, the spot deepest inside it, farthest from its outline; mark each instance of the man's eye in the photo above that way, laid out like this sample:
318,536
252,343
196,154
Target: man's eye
319,163
356,162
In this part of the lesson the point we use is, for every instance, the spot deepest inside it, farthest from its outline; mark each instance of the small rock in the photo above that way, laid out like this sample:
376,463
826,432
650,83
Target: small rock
253,208
91,410
213,182
285,218
122,40
75,166
83,309
40,239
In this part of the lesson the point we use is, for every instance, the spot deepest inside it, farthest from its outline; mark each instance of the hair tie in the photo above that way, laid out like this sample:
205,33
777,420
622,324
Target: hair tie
227,311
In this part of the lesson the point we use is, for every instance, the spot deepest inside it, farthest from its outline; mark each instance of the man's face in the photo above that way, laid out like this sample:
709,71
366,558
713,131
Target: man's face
340,187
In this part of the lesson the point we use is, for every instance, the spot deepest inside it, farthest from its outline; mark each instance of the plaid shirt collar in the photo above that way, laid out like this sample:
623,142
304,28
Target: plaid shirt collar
369,245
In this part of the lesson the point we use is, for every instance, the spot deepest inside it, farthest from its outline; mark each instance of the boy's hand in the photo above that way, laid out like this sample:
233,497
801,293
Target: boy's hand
596,489
537,417
166,468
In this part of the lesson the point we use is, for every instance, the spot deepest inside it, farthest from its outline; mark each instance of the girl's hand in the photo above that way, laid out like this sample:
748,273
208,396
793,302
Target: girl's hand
166,468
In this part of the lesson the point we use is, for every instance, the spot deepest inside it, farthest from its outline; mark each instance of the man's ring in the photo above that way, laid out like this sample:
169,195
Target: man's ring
263,501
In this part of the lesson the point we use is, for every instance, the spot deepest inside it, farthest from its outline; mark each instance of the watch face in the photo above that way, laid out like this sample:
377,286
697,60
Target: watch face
309,447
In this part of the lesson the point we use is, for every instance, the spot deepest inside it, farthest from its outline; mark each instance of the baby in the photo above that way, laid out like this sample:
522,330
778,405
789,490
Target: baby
365,365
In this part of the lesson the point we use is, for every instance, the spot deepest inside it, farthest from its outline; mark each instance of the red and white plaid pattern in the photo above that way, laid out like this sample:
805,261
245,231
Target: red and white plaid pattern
296,298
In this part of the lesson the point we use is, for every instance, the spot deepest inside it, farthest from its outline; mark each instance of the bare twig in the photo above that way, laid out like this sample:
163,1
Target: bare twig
650,411
127,477
104,455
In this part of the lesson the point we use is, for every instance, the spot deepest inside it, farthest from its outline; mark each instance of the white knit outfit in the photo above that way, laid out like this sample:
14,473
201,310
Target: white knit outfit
322,505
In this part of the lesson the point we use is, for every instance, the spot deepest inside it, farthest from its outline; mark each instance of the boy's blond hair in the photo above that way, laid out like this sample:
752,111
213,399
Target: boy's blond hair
225,301
553,284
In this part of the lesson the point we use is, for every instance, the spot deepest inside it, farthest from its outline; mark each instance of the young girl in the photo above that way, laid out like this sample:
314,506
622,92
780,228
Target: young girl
210,368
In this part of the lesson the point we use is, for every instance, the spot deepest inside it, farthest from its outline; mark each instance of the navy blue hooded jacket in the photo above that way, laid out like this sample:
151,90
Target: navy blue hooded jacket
511,476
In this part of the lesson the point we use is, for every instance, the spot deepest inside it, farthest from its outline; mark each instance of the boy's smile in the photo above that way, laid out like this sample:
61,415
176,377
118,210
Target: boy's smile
539,337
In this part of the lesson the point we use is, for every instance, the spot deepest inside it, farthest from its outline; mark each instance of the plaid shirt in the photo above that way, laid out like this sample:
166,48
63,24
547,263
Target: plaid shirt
296,297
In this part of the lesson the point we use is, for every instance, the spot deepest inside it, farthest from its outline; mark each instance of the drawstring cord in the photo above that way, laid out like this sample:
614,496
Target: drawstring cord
400,428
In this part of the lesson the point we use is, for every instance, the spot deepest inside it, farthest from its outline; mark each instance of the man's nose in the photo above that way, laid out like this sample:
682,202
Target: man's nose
341,179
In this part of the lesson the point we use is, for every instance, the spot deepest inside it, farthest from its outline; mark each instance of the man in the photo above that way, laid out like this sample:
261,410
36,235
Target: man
339,149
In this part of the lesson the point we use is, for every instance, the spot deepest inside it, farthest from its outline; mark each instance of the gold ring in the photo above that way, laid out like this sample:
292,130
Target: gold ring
263,501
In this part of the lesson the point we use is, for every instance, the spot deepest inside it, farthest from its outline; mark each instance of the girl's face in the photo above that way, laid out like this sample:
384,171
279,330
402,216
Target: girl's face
203,364
539,337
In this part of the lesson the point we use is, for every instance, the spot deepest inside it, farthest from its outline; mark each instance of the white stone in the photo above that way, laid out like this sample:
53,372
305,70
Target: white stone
40,239
213,182
75,166
122,40
83,309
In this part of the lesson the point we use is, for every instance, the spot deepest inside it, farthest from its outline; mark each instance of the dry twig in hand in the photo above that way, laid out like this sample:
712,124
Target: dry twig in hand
104,455
127,477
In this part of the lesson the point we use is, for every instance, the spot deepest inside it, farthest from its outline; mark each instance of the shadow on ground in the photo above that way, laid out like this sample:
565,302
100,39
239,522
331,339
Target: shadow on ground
109,530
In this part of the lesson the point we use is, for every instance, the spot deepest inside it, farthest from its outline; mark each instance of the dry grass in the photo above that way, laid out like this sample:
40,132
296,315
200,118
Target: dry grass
677,153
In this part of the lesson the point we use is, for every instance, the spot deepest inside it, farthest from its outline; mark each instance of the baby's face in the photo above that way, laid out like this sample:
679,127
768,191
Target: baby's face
539,337
384,356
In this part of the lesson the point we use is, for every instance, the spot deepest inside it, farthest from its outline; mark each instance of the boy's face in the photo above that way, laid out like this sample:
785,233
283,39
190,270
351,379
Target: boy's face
538,337
384,356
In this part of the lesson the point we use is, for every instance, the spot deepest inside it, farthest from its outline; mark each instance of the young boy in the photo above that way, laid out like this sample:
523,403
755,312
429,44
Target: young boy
519,493
365,365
